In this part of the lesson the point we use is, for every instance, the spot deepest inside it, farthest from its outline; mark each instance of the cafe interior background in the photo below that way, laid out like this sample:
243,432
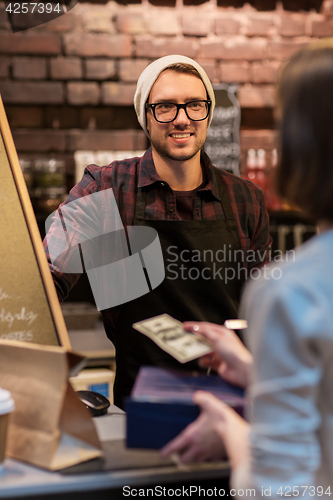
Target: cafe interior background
68,86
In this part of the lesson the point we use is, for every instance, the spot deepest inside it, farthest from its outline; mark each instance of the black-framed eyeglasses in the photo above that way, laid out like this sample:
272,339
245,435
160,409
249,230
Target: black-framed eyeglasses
165,112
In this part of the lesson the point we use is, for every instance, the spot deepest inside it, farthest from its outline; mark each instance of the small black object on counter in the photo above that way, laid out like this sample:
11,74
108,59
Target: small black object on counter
96,403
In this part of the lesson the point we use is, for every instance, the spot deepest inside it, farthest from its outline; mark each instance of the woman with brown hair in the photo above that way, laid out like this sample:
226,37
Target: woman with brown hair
287,448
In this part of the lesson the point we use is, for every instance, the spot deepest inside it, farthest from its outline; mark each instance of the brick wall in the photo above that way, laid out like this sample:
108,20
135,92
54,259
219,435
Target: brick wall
69,84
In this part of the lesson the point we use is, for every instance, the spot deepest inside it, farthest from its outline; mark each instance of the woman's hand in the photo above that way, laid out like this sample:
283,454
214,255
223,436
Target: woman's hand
218,431
231,359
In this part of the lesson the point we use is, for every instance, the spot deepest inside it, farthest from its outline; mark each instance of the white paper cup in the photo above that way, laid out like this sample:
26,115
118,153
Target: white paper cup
6,407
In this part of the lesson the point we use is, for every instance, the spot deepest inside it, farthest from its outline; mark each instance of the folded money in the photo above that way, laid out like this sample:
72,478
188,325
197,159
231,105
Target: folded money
169,334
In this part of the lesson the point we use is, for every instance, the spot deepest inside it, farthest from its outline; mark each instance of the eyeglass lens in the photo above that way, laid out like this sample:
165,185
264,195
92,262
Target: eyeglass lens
167,111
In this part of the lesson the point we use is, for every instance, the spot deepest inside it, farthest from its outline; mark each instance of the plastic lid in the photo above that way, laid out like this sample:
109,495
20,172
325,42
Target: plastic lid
6,402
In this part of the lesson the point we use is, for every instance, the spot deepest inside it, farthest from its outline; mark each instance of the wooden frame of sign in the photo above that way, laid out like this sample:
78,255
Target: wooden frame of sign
29,306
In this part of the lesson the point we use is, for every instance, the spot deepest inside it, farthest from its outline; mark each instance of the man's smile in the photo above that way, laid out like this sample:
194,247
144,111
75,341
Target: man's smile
180,135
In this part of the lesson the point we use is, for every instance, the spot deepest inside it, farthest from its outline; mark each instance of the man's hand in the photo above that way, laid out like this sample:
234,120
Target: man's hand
230,359
218,431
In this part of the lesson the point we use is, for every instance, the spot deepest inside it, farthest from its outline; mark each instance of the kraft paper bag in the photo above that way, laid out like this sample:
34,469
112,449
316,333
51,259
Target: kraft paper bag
50,427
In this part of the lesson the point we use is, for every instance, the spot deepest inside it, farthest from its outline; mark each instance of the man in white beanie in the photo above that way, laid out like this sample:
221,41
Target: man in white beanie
207,220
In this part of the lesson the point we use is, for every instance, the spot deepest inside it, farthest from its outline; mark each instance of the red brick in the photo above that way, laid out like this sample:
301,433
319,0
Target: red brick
99,45
154,47
235,72
83,93
265,71
41,43
212,69
66,68
25,116
60,24
283,49
4,67
327,8
118,94
96,18
92,118
29,68
132,23
4,23
233,48
108,118
255,96
100,69
227,25
41,141
259,25
131,69
256,139
322,29
32,92
107,140
196,25
166,24
292,25
62,117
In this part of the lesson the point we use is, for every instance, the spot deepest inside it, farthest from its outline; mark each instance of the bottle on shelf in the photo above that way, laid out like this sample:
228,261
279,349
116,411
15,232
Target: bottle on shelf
256,168
251,164
49,185
262,171
273,203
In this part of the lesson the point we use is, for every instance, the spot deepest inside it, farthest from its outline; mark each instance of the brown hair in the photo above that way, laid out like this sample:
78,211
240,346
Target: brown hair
187,69
184,68
305,93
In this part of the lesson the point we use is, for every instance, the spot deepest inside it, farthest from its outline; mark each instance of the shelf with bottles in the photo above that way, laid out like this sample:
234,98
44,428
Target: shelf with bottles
46,181
258,171
260,168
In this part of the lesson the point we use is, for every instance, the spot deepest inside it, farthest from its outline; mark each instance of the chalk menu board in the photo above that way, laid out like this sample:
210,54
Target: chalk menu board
222,144
29,307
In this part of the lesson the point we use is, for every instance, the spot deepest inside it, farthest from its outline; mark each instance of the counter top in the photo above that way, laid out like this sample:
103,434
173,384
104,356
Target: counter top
20,480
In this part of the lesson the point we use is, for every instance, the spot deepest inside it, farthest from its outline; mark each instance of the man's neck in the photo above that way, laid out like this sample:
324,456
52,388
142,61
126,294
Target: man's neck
180,175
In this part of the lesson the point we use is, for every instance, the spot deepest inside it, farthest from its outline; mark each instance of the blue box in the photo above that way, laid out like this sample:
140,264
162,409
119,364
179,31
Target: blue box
161,406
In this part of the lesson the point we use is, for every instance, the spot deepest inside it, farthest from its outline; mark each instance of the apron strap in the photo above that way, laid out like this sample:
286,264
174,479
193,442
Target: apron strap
226,205
140,203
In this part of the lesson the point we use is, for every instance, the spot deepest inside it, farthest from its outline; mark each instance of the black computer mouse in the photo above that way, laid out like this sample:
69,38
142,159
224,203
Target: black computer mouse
96,403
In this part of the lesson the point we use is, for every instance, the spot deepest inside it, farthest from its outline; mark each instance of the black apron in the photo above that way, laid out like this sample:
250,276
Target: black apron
194,287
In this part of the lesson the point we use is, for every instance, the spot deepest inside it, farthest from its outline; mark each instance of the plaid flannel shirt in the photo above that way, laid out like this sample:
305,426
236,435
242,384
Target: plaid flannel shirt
247,203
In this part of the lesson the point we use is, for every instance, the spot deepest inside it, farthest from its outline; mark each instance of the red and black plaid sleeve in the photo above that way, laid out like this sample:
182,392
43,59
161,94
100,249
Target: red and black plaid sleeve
125,176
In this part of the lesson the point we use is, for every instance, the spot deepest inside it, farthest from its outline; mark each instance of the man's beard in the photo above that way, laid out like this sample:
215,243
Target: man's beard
178,155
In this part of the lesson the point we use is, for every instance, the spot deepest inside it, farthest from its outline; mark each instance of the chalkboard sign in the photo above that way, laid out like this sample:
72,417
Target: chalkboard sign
222,143
29,307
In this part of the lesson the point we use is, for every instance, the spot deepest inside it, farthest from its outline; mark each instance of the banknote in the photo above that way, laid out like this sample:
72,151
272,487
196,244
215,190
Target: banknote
169,334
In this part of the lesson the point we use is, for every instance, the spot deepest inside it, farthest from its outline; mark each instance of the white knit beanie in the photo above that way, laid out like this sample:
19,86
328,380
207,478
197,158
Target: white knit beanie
149,76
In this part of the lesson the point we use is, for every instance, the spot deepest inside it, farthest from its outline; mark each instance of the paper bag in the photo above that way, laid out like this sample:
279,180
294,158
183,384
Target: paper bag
50,427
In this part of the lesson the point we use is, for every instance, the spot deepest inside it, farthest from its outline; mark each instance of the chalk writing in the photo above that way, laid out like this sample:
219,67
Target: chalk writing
4,295
222,143
23,315
23,336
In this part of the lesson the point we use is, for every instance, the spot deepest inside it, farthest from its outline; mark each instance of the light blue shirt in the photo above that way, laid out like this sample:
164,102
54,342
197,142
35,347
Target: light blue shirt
290,333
